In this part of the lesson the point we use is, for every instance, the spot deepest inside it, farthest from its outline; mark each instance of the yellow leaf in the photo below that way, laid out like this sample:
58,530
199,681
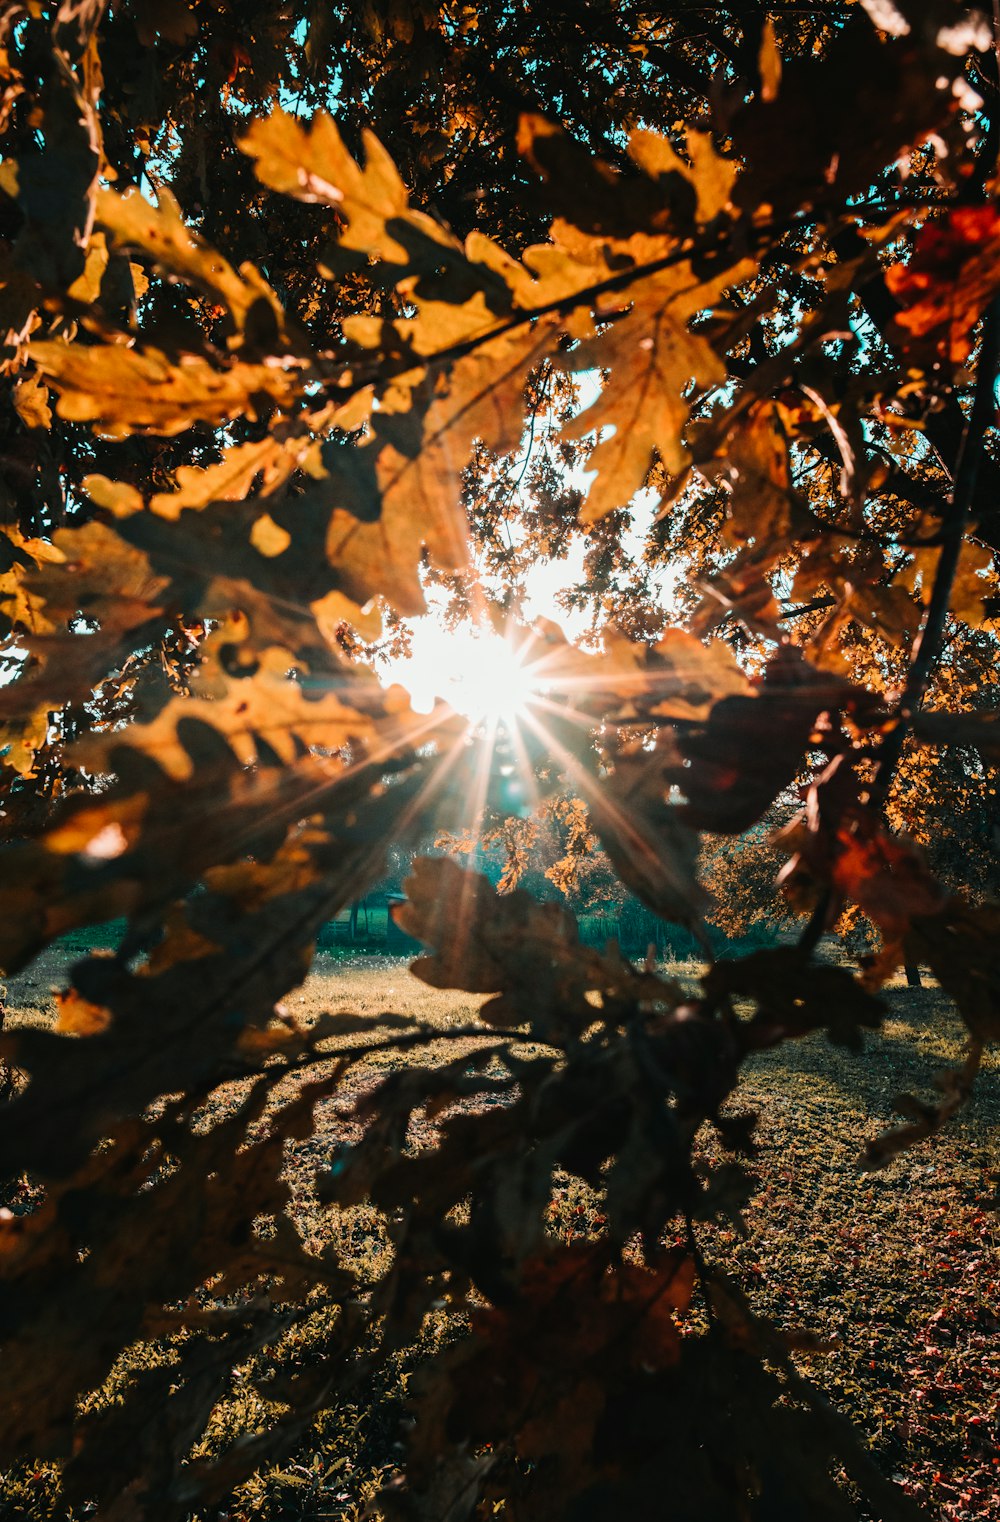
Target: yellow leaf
975,578
753,464
22,738
127,391
87,287
711,177
197,486
399,492
20,603
267,708
769,62
31,401
98,571
269,537
100,831
335,609
160,233
116,497
312,164
653,359
140,280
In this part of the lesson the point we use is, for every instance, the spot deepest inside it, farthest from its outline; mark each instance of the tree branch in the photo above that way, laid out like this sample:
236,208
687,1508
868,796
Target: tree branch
928,643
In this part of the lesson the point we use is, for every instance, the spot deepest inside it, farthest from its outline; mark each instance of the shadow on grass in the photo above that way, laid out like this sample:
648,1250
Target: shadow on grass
921,1038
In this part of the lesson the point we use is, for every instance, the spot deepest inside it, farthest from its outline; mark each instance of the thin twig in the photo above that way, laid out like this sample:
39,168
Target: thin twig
818,922
928,644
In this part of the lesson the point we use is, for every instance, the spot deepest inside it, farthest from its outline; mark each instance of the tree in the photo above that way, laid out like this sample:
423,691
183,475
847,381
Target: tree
289,294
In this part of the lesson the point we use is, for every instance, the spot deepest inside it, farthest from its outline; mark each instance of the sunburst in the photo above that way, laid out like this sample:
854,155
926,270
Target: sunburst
485,677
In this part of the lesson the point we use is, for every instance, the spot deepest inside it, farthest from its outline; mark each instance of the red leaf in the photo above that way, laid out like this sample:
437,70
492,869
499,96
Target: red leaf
945,286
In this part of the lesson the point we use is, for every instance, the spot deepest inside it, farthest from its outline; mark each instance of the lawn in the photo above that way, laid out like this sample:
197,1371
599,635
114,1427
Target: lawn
898,1271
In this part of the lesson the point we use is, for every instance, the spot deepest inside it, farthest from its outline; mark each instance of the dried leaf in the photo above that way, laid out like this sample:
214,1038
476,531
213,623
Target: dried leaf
399,491
313,164
269,708
160,233
31,401
22,738
126,391
750,748
196,486
654,360
959,943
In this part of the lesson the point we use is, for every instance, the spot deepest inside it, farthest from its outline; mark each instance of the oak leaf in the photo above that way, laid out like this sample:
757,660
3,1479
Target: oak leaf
313,164
161,234
230,480
655,360
959,942
22,737
31,402
398,492
269,708
948,281
124,391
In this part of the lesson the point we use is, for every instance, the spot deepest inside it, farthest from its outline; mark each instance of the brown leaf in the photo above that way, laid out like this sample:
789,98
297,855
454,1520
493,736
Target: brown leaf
884,875
526,953
77,1016
794,996
750,748
839,119
652,847
980,731
754,466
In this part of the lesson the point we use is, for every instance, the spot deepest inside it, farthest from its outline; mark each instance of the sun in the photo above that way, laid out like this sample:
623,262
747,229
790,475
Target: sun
477,672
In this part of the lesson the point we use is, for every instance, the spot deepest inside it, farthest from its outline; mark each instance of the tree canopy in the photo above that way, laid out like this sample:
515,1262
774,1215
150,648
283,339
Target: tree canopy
308,309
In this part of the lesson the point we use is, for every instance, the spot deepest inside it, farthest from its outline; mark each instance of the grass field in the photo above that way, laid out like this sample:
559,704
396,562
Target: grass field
900,1269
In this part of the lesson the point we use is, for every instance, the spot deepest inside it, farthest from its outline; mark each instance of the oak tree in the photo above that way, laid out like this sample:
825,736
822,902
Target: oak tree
307,308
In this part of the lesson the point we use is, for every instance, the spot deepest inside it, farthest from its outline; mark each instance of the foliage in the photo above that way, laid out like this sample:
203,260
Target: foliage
251,415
